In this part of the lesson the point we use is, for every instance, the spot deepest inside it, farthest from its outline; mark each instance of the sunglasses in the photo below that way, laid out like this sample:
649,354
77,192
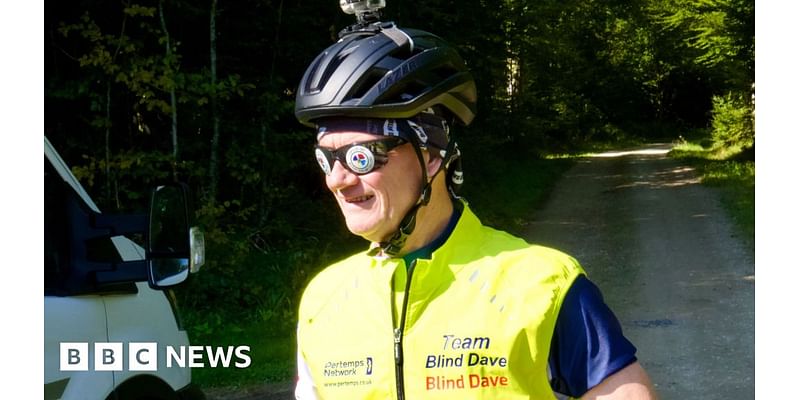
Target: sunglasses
360,157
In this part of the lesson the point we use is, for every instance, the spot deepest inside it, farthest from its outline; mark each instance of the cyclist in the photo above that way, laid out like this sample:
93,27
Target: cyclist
439,306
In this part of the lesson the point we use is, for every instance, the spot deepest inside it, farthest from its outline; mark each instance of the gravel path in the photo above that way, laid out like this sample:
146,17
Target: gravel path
669,263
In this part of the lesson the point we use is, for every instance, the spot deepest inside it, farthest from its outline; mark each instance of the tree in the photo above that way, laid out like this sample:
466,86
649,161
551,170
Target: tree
172,98
214,163
719,37
123,61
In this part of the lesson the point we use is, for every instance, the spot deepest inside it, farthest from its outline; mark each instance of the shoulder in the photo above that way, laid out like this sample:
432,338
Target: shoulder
328,281
530,273
511,253
517,255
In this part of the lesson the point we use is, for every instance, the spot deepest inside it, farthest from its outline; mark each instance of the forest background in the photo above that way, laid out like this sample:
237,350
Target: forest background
142,92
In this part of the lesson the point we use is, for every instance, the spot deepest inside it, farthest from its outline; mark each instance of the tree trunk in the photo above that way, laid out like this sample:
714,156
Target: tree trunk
262,200
214,167
107,141
172,97
277,40
263,205
108,125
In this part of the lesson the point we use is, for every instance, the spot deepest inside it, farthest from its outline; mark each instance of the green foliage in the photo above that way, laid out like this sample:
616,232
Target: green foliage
134,173
733,121
128,61
197,89
134,10
720,34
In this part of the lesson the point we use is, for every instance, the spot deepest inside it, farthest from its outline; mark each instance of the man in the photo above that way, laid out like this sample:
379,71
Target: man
440,306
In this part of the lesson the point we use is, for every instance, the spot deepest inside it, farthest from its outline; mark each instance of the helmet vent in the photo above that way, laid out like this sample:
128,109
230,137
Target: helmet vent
367,83
322,70
416,88
445,71
330,69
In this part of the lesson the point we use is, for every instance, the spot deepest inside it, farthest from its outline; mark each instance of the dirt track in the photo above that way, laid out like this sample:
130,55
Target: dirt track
670,264
668,261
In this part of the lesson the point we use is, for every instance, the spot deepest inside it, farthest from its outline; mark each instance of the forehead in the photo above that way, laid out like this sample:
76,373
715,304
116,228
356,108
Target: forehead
338,139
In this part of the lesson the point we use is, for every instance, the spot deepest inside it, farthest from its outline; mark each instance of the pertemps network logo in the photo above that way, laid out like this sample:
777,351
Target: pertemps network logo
143,356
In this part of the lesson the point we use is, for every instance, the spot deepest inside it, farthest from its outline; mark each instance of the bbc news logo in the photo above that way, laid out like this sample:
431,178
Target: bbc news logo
143,356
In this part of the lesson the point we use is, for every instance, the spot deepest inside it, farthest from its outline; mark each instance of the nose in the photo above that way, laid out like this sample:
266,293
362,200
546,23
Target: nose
340,177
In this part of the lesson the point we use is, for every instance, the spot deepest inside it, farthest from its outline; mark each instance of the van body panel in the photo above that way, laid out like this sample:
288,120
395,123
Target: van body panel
75,319
128,250
127,323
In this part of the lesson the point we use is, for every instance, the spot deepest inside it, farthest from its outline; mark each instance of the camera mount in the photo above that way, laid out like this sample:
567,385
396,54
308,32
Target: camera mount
367,14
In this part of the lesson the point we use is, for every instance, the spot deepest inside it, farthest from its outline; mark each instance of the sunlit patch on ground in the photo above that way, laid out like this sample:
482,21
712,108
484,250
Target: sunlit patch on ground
659,150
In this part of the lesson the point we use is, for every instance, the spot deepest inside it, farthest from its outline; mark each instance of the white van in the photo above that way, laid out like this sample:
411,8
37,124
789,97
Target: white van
102,289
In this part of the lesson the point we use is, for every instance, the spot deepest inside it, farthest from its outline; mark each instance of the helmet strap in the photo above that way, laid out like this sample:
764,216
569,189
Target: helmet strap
425,195
455,175
396,243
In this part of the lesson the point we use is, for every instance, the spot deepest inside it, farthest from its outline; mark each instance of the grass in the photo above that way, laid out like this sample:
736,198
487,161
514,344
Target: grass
267,325
731,171
272,356
255,304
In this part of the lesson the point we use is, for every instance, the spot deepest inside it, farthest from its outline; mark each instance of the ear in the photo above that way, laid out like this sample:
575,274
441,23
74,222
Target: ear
432,164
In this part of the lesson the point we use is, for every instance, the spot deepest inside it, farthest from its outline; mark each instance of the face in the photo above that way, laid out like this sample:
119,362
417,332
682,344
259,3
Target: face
374,203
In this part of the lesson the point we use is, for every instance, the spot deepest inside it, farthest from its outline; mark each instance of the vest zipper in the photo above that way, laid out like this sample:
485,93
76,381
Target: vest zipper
398,337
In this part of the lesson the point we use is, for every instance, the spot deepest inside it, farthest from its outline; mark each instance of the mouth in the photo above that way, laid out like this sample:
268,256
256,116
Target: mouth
358,199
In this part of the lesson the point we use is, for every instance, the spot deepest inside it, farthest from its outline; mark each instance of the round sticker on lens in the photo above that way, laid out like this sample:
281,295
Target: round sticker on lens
323,161
360,159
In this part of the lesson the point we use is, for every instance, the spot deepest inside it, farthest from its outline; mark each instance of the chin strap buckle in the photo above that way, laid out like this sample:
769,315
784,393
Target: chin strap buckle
396,243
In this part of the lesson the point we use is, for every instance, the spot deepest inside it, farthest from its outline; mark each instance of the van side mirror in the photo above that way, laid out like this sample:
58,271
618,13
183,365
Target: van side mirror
174,249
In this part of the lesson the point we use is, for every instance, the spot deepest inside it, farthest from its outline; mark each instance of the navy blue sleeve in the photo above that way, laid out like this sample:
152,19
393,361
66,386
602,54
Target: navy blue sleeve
588,344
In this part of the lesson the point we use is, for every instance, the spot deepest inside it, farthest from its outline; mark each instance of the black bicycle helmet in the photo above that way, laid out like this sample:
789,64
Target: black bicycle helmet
383,71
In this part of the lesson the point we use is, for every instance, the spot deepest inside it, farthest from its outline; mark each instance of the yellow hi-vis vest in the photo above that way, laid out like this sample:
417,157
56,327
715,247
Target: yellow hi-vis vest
479,317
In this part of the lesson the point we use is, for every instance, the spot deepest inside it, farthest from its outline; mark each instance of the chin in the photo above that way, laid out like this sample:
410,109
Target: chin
371,233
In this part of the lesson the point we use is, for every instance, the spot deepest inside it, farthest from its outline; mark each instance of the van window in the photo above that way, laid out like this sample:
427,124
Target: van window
61,278
56,239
